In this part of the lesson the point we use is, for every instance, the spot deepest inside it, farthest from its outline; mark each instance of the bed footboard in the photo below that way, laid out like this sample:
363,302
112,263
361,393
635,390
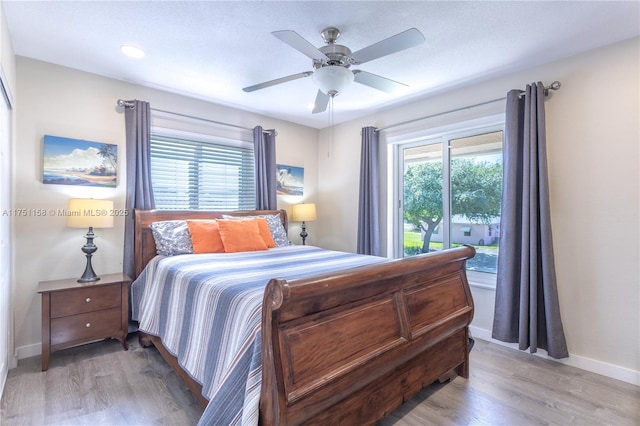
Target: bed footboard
349,348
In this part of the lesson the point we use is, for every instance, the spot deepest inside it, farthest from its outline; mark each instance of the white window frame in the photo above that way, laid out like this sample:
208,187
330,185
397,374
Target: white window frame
441,135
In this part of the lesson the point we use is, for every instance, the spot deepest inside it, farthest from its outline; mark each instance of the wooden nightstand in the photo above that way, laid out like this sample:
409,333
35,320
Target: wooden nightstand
74,313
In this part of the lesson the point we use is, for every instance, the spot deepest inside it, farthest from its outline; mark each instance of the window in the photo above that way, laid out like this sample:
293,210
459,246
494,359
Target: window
449,189
197,172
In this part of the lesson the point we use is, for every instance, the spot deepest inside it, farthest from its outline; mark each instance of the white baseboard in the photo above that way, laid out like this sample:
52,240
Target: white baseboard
28,351
13,362
592,365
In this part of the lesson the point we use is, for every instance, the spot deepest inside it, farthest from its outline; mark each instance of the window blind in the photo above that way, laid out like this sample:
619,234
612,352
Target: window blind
196,175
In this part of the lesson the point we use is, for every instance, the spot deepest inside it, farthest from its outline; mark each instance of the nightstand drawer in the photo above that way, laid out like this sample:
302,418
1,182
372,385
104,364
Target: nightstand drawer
81,300
93,325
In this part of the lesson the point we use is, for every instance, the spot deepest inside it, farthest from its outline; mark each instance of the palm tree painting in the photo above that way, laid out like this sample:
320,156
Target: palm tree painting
78,162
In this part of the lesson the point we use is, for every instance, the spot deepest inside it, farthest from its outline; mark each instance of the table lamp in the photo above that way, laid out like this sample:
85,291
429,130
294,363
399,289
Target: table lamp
89,213
304,213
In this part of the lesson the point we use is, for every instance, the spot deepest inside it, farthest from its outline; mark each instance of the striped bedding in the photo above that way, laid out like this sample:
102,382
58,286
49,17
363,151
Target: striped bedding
207,310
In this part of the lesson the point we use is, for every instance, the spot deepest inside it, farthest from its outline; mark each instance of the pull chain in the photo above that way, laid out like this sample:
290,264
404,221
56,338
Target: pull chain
330,143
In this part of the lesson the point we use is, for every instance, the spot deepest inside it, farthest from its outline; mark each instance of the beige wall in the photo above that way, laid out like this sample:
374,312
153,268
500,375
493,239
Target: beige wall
593,137
59,101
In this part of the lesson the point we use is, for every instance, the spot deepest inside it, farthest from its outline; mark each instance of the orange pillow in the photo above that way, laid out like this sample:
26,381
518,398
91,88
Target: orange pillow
241,235
263,225
265,232
205,236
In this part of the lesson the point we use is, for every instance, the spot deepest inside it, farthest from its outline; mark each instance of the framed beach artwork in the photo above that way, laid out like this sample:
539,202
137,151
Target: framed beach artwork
289,180
78,162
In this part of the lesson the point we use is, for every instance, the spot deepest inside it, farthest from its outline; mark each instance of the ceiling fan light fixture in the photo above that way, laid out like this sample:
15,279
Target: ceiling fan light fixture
331,64
332,79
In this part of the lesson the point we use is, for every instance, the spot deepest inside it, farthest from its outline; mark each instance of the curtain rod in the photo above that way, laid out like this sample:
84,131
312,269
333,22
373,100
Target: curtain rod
130,104
553,86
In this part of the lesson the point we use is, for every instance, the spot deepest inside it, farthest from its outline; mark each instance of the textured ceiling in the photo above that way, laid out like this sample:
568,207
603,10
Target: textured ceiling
212,49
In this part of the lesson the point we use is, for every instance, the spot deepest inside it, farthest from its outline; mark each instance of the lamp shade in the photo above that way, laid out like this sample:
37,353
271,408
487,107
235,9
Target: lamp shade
88,212
304,212
332,79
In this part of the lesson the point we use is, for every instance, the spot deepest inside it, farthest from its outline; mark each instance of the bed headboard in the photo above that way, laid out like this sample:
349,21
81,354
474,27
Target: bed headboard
144,245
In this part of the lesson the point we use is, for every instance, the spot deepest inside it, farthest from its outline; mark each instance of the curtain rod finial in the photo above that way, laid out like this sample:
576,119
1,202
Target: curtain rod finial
126,104
555,85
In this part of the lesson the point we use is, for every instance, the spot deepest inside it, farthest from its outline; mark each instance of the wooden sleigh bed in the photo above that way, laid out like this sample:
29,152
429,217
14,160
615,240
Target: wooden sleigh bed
347,347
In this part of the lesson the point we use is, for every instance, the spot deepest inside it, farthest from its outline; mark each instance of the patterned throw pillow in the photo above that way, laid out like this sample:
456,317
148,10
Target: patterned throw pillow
172,237
278,233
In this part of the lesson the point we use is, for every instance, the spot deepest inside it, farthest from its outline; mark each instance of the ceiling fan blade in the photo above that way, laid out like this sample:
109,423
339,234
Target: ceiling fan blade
377,82
404,40
296,41
277,81
320,105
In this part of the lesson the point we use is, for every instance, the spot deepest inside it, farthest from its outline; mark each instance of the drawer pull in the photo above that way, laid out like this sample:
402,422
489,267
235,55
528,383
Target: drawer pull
88,300
88,325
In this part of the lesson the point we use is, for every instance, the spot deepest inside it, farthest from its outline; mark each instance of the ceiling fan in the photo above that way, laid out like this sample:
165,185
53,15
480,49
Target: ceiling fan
331,63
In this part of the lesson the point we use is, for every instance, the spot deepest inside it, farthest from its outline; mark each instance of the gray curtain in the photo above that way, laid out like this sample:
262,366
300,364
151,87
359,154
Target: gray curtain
139,193
526,307
368,229
264,151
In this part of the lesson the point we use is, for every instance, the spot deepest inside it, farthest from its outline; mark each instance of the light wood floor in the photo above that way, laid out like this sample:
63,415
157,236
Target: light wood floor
100,384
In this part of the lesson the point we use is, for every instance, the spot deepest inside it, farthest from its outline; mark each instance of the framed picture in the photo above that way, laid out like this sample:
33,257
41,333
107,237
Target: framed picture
289,180
78,162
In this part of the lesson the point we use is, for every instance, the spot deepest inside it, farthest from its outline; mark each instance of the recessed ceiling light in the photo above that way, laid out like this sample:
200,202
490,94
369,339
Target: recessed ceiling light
132,51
